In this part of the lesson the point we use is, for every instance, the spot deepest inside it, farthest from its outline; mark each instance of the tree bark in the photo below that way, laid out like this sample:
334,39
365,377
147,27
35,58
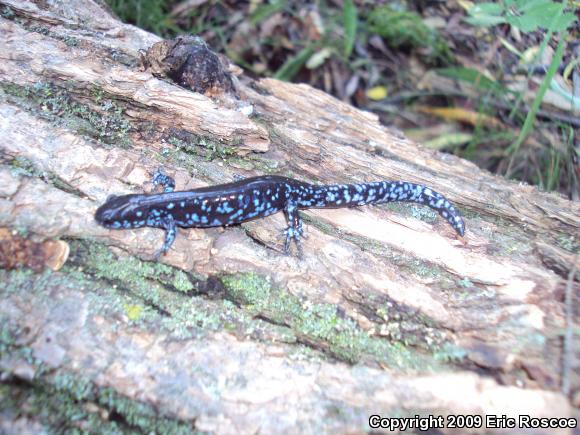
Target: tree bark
387,313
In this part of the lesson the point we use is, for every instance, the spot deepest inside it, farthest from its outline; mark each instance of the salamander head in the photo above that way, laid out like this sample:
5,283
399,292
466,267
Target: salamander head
121,212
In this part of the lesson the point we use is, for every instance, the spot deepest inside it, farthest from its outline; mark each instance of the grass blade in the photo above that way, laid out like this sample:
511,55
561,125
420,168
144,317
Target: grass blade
531,117
350,25
293,65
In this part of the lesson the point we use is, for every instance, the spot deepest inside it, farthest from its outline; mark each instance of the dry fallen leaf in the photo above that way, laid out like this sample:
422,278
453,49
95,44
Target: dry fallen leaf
462,115
377,93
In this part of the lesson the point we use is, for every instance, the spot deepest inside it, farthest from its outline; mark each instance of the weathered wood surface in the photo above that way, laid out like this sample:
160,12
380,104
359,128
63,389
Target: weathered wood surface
387,313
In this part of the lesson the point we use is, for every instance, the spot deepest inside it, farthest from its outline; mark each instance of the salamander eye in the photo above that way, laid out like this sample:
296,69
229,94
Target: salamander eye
111,198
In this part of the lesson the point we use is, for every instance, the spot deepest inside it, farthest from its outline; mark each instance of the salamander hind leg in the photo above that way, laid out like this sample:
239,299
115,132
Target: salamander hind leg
160,178
295,229
299,227
168,224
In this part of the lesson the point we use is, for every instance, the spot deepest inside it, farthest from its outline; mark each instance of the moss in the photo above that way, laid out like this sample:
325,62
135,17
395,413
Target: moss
264,165
71,41
204,146
105,123
132,271
450,352
420,212
409,327
148,295
163,297
512,243
178,157
193,152
248,289
67,402
319,325
70,402
242,163
158,296
15,281
133,311
22,20
194,163
140,415
568,242
8,338
146,292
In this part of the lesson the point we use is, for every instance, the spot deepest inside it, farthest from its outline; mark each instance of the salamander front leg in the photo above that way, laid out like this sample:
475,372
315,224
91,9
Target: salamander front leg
160,178
168,224
294,230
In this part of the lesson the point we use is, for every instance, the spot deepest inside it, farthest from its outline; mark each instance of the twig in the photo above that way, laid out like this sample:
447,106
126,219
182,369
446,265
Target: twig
568,346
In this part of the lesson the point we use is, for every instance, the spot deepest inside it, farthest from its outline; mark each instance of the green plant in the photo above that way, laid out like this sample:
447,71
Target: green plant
350,24
314,54
529,16
406,29
266,10
526,15
293,64
151,15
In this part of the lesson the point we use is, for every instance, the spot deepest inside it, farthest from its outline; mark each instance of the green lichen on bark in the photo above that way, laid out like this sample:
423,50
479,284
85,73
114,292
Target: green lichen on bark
320,325
150,293
103,121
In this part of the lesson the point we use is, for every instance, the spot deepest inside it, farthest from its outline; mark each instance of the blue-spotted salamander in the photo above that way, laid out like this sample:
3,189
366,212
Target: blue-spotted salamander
251,198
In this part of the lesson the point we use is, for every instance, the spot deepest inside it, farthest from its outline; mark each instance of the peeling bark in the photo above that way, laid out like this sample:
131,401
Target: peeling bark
387,313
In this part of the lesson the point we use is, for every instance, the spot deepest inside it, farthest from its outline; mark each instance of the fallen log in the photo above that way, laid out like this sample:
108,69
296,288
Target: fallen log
386,313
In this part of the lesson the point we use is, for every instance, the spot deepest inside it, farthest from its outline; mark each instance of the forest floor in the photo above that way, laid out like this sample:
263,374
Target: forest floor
498,84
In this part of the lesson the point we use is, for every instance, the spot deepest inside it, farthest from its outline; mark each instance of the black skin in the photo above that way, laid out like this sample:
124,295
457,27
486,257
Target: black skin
253,198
